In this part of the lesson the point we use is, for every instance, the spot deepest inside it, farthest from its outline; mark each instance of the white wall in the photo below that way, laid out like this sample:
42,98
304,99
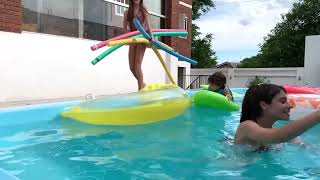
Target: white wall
312,60
238,77
39,66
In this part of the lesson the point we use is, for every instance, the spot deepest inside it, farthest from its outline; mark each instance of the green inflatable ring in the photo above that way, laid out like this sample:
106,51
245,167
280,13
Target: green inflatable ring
214,100
234,94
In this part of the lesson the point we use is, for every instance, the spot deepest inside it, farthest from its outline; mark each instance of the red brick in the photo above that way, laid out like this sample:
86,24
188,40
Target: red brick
16,30
13,8
7,11
12,21
17,4
7,2
10,15
12,26
181,45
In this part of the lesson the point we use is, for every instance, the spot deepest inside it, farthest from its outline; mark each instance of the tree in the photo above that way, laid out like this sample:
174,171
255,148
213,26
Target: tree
252,62
201,47
200,7
285,45
202,52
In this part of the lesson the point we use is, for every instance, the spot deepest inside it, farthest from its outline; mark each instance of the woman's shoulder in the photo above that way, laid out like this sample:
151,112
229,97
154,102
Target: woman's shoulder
243,131
248,122
245,126
145,12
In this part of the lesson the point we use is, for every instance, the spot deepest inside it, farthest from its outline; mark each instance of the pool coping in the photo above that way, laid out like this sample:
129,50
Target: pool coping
36,102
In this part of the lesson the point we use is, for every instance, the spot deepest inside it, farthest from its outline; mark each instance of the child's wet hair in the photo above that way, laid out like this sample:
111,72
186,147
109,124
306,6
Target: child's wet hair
218,78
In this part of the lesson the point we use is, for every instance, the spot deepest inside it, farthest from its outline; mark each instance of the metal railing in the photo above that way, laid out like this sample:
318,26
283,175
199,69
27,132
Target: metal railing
194,81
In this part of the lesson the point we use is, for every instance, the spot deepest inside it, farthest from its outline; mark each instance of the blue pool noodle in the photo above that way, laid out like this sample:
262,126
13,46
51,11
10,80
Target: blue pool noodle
160,46
140,28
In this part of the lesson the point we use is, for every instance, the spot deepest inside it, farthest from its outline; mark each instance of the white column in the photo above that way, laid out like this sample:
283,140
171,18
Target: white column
312,61
80,18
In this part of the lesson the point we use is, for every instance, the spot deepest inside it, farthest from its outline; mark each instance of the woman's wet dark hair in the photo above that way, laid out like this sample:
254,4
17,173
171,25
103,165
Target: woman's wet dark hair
251,108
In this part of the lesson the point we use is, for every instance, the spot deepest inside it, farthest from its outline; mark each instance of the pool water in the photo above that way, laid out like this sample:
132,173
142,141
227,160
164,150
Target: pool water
35,143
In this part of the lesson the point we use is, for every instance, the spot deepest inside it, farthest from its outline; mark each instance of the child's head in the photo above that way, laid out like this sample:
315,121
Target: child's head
217,80
135,2
261,95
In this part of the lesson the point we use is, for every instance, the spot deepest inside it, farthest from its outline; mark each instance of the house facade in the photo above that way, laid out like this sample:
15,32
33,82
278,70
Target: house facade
46,44
93,19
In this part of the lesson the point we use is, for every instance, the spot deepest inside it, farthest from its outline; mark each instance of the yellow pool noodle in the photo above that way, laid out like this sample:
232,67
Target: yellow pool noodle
155,50
129,41
165,45
134,41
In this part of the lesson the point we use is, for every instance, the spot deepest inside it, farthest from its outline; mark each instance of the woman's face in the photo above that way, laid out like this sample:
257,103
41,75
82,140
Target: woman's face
279,107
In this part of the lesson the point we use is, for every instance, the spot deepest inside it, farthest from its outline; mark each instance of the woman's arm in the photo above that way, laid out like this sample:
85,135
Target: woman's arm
265,136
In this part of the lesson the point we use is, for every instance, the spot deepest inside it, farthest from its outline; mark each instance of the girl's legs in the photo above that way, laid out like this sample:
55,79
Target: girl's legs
139,53
132,52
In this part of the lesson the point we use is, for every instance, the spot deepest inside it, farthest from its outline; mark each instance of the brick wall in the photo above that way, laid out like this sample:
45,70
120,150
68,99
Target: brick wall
181,45
10,15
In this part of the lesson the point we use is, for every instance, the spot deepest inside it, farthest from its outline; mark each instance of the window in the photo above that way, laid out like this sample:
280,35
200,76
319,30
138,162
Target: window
183,22
120,9
90,19
57,17
186,23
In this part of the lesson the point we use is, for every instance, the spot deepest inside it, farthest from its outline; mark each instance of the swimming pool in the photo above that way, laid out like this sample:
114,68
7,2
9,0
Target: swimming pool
36,143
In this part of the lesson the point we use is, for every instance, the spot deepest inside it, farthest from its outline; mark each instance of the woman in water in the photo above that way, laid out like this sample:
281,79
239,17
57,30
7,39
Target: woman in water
262,106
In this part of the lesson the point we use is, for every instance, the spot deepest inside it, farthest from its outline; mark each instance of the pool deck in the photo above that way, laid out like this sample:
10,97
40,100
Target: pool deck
33,102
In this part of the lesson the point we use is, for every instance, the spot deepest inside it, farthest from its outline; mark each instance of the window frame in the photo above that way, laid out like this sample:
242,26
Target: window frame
127,6
119,10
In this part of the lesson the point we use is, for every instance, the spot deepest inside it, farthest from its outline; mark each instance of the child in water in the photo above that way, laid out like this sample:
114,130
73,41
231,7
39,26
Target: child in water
217,83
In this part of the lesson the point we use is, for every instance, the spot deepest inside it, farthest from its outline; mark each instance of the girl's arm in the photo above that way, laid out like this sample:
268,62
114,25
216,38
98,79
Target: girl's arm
265,136
227,93
147,16
125,21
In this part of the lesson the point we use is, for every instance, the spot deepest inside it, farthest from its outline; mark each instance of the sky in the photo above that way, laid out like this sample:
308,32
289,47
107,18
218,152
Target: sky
238,26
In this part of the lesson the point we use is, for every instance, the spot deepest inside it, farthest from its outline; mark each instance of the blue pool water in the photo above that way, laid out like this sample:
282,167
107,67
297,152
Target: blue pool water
35,143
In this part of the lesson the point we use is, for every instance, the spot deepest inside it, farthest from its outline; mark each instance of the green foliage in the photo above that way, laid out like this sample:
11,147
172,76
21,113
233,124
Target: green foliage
252,62
257,80
285,45
202,52
201,46
200,7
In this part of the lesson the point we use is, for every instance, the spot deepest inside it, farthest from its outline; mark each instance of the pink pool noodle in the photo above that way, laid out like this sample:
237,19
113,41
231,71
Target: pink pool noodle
130,34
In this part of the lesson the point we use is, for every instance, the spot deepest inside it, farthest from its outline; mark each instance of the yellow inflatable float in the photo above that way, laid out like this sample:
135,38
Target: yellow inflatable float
154,103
